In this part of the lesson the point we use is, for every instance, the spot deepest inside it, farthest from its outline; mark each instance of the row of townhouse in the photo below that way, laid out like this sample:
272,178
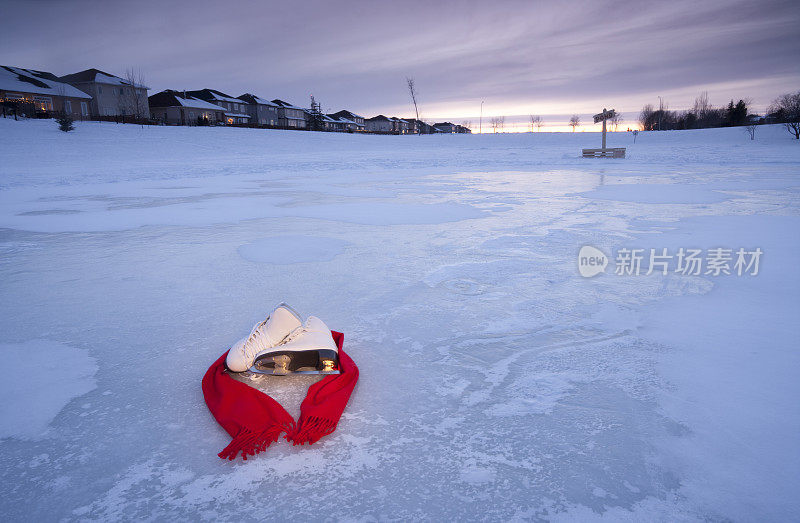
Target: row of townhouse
390,125
95,94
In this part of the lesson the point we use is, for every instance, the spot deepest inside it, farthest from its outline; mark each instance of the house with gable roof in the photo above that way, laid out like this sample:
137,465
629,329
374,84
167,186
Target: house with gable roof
380,124
31,93
236,109
290,116
262,112
178,108
111,95
357,119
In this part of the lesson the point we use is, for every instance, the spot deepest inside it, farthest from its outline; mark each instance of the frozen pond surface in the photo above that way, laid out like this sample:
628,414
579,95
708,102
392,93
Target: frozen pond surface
496,382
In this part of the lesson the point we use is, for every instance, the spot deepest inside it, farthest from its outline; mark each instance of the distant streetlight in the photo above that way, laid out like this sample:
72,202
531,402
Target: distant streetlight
660,111
480,120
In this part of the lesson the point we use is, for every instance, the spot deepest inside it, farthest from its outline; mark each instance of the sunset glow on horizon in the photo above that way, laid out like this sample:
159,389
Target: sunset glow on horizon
547,60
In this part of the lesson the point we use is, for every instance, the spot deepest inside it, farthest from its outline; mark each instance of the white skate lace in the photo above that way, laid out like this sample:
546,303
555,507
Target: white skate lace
257,341
294,334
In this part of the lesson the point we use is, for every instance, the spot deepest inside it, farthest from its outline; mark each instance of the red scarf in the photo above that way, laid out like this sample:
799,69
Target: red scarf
255,420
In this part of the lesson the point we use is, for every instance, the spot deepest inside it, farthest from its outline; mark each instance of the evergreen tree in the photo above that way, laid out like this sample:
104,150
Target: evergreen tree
65,123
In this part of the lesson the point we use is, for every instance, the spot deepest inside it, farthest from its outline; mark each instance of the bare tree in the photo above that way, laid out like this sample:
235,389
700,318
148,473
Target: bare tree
574,122
646,117
701,106
615,121
135,95
751,130
536,122
495,123
412,90
502,121
467,124
786,109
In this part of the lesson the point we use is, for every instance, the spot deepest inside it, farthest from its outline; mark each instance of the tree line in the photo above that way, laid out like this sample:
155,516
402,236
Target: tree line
785,109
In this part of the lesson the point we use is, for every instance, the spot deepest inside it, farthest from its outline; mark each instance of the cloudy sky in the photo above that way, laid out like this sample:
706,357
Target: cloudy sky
520,58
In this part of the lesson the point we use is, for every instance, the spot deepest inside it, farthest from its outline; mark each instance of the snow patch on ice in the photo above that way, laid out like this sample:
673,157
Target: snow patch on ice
656,193
61,373
477,475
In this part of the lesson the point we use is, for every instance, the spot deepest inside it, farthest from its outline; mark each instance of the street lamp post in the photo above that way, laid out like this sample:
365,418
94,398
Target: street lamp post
660,111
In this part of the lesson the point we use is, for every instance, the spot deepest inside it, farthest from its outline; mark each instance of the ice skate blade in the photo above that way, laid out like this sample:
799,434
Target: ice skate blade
284,372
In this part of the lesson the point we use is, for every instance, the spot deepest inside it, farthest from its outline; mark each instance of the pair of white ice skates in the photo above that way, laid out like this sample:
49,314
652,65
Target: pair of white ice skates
282,344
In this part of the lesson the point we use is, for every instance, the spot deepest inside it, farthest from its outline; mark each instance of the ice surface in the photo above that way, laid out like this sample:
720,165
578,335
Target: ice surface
292,249
656,193
496,383
44,376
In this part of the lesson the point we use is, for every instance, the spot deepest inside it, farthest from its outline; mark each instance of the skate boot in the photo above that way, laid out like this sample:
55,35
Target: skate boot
308,350
281,323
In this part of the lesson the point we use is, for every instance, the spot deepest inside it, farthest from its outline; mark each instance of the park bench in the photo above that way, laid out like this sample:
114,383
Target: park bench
611,152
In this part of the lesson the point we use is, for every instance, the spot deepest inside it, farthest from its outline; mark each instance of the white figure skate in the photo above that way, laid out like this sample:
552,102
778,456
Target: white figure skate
265,335
308,350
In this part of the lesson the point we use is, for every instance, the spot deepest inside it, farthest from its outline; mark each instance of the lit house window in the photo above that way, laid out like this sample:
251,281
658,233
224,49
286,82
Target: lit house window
43,103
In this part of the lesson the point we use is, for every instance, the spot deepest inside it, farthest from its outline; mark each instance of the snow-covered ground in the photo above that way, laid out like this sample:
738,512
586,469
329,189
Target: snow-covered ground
496,382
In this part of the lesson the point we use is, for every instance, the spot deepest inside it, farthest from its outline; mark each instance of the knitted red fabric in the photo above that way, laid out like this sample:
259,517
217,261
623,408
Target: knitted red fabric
254,420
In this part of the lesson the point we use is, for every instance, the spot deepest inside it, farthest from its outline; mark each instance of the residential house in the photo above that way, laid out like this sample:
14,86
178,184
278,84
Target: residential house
111,95
353,117
178,108
411,125
262,112
236,111
415,125
26,92
380,124
332,124
290,116
343,124
463,130
400,126
445,127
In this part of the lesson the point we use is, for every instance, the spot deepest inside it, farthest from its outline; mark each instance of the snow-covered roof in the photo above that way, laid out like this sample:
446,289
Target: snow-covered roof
238,115
103,78
219,97
342,119
259,100
287,105
97,76
196,103
16,79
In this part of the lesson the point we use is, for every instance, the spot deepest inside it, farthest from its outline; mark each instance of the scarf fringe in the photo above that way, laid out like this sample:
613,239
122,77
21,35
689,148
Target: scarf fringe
312,429
250,443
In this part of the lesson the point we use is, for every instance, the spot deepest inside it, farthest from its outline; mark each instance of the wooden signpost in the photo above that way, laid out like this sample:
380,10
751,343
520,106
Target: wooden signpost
614,152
